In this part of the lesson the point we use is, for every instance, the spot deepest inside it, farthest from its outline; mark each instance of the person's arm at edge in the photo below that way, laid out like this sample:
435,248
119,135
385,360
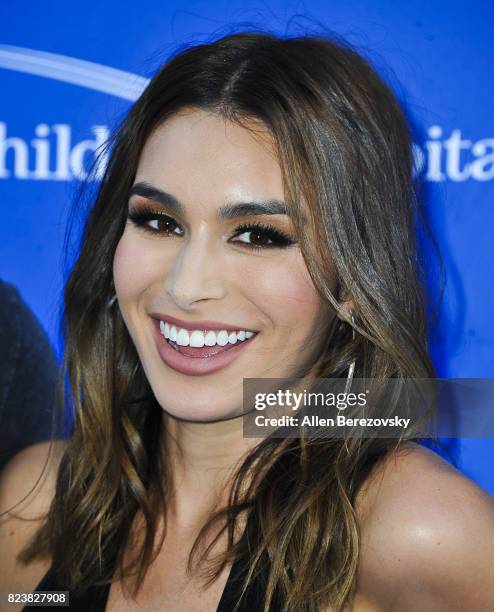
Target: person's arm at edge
18,523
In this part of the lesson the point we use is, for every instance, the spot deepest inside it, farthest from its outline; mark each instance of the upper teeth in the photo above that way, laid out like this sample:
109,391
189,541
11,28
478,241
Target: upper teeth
198,338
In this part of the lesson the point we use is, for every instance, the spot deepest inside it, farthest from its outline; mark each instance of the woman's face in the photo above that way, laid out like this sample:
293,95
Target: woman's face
210,280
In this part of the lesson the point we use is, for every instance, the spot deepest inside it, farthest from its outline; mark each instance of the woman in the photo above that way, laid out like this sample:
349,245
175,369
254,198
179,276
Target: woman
256,220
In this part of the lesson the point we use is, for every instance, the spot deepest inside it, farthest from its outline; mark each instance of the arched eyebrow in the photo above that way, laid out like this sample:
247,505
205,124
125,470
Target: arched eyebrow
228,211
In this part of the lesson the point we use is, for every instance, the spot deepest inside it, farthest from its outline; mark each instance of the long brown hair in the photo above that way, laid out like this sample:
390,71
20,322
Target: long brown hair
344,147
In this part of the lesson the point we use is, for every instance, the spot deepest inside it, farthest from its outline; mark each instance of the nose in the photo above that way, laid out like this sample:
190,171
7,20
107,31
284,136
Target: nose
195,276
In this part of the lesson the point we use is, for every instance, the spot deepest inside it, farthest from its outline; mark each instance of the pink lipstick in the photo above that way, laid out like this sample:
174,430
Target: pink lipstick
194,361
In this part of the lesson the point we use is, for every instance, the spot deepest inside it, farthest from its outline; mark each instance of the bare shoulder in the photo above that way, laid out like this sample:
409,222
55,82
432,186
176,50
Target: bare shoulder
27,487
427,536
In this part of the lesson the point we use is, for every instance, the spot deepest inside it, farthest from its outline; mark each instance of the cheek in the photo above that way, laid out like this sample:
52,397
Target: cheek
133,268
285,292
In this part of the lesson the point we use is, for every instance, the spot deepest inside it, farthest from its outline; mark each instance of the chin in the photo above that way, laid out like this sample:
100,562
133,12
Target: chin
196,412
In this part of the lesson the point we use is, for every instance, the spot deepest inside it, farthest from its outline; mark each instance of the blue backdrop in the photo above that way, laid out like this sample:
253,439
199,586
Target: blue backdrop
68,73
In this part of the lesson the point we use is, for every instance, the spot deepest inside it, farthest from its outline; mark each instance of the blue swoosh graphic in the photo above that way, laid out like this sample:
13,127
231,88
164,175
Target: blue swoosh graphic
119,83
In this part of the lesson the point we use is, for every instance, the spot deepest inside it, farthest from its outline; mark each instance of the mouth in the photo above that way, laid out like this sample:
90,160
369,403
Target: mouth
199,352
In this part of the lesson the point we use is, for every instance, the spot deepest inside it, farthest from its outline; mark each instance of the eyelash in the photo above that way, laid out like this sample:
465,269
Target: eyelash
142,216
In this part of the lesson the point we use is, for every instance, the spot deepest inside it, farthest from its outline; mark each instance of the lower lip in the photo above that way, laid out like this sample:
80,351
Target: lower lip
200,365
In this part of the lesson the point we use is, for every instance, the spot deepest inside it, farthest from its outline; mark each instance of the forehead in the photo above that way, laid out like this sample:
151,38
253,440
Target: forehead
200,154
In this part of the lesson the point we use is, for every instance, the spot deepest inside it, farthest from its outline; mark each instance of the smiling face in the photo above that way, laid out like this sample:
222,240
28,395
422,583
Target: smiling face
229,284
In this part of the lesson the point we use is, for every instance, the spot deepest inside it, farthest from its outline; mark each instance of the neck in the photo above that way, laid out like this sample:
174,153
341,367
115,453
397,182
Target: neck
202,459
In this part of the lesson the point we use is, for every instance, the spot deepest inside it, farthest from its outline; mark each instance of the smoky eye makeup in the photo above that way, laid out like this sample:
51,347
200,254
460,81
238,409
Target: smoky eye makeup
152,220
252,235
262,235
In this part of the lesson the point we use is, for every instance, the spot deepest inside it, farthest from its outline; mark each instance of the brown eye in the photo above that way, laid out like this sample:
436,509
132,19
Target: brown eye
164,225
154,222
258,236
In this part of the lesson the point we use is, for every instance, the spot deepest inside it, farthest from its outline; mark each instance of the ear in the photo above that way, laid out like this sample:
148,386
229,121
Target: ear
347,306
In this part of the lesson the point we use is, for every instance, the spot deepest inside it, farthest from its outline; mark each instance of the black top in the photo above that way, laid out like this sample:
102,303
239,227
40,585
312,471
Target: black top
94,598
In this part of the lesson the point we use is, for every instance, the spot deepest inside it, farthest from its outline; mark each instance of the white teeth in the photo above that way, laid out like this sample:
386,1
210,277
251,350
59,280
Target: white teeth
182,337
222,338
210,339
196,339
